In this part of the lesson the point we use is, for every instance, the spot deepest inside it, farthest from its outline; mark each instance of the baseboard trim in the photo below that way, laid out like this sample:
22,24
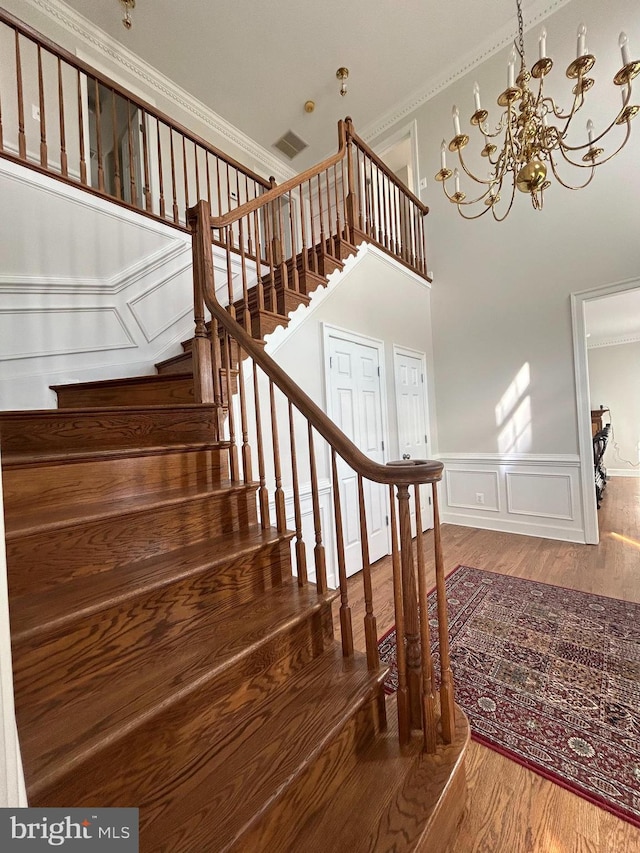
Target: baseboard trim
523,528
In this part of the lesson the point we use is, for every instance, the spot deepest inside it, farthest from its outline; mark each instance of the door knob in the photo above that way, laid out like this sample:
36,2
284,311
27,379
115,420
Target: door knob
406,456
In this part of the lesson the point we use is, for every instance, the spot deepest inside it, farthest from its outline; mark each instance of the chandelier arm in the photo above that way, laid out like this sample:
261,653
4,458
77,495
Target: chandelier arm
606,159
593,142
470,174
476,216
568,186
507,211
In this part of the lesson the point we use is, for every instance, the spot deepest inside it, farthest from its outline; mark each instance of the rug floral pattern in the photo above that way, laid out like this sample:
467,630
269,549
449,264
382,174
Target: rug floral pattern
550,677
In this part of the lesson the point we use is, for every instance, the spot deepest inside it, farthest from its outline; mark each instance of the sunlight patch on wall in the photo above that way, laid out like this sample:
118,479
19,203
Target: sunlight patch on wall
513,414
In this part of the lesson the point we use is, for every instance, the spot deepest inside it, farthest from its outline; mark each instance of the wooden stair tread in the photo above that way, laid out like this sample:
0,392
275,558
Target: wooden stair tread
394,797
26,458
25,522
107,701
264,753
152,378
38,613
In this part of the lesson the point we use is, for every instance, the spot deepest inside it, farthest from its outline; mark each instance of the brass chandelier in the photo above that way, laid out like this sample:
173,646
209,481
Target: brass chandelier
535,131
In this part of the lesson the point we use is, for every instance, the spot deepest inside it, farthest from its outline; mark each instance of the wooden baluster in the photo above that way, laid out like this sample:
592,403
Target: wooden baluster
163,210
259,282
233,447
195,157
44,158
246,314
294,279
200,223
228,189
116,153
343,198
22,139
186,171
370,629
318,551
338,234
346,630
281,518
173,177
388,235
249,238
447,707
380,209
83,159
99,136
64,163
301,554
327,188
411,246
216,373
148,201
321,209
246,448
218,186
269,244
404,712
428,696
412,631
231,307
263,493
397,219
303,236
281,260
206,160
132,162
312,249
368,190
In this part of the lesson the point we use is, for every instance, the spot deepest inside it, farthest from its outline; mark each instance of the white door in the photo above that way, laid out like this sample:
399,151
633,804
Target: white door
413,438
355,405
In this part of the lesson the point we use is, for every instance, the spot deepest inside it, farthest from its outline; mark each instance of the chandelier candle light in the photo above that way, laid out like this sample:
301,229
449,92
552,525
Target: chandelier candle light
535,129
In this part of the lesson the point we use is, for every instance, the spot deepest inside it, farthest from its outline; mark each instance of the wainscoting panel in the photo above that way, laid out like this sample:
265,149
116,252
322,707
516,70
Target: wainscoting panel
473,490
531,494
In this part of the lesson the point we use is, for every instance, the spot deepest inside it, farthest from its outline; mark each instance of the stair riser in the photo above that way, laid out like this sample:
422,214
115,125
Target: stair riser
354,734
313,789
75,483
46,558
170,746
180,364
63,432
145,392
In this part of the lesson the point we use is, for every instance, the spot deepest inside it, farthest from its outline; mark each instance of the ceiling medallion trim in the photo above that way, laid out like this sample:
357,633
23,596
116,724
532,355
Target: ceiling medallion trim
633,338
72,21
430,88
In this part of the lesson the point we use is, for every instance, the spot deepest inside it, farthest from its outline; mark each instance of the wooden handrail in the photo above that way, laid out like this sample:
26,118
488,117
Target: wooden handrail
76,62
406,472
282,189
384,168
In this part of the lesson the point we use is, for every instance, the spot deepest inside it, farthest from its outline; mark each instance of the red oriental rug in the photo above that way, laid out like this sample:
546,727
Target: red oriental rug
550,677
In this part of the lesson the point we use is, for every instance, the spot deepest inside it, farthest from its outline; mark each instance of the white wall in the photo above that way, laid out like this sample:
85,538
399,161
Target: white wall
614,382
501,310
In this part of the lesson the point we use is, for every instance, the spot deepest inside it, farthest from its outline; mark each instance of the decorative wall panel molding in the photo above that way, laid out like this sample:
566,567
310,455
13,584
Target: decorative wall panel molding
533,494
164,304
43,332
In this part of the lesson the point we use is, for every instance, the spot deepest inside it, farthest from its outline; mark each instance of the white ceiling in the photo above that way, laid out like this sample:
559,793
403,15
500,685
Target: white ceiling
256,63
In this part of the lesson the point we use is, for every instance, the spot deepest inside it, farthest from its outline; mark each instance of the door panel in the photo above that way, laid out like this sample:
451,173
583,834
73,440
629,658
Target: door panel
412,423
356,406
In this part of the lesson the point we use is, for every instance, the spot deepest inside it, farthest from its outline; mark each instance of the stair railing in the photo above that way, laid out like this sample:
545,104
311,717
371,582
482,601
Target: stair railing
264,410
60,116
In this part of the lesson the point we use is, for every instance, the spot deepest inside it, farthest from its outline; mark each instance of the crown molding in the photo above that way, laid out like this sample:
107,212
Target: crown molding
80,27
633,338
430,88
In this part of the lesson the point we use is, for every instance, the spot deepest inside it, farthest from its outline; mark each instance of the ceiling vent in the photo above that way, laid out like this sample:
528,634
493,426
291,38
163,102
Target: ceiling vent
291,144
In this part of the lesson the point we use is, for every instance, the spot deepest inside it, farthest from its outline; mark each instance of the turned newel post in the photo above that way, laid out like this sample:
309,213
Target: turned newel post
199,218
410,607
352,196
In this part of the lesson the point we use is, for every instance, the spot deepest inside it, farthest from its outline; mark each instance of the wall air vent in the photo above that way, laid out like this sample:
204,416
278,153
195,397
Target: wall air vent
291,144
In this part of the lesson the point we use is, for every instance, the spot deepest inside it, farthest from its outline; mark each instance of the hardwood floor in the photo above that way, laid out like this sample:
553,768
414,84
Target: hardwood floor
510,809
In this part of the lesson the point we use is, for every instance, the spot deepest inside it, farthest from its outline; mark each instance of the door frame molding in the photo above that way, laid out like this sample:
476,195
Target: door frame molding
581,371
407,131
398,349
